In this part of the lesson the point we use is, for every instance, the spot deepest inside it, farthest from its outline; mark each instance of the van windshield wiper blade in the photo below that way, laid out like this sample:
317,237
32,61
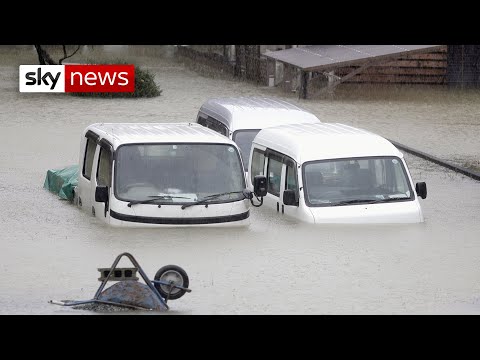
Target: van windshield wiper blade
355,201
388,200
155,198
366,201
211,197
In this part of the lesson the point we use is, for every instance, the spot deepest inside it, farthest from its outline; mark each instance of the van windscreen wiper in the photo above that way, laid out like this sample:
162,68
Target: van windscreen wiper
211,197
154,198
365,201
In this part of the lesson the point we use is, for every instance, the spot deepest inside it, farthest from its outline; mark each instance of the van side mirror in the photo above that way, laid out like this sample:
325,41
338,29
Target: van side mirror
289,197
260,185
101,193
421,189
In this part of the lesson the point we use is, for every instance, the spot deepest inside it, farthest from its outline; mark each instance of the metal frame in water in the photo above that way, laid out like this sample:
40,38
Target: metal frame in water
126,298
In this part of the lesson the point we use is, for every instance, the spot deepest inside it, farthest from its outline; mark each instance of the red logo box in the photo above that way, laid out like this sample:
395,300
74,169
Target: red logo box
99,78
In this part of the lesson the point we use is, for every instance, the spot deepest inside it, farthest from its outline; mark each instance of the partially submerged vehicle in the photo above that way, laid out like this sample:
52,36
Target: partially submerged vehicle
335,173
148,174
241,118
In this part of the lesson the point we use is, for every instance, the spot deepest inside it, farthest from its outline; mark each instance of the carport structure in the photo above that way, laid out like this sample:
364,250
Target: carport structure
324,59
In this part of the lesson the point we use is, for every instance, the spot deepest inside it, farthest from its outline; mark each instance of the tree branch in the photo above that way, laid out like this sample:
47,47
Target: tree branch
68,56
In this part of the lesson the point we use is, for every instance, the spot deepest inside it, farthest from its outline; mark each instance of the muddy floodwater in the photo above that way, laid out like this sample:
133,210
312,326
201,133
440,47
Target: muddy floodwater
51,250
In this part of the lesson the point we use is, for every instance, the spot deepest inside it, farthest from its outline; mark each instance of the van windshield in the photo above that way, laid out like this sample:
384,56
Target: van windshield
178,173
244,139
355,181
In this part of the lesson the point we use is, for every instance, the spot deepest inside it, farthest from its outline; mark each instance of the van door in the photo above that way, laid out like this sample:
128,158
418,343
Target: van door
103,177
88,148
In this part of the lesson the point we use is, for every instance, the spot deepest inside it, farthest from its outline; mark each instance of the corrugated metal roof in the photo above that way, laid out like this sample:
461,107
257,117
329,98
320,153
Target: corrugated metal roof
318,57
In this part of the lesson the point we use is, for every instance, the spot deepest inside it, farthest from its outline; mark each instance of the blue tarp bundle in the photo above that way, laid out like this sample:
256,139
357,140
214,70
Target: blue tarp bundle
62,181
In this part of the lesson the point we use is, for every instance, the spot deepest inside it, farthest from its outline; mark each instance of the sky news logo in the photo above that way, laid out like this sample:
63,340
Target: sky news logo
77,78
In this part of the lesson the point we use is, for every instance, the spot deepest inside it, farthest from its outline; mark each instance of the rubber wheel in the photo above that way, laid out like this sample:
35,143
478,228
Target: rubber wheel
171,273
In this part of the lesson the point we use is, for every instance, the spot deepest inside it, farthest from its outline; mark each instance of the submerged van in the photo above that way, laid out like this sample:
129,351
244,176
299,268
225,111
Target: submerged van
335,173
133,174
241,118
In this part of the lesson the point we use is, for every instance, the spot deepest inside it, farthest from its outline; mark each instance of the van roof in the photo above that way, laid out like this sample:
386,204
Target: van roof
123,133
309,142
255,112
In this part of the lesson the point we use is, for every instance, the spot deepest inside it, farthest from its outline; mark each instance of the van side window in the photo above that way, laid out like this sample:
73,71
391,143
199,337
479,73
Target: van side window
104,169
291,179
202,121
274,174
258,163
213,124
217,126
88,159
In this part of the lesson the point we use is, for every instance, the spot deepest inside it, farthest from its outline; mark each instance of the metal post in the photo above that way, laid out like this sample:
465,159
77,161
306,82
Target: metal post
303,84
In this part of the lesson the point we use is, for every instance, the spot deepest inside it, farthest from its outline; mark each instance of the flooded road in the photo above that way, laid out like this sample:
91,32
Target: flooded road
51,250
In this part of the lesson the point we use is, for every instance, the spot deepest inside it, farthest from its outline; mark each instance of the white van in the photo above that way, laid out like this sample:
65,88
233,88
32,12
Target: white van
334,173
241,118
133,174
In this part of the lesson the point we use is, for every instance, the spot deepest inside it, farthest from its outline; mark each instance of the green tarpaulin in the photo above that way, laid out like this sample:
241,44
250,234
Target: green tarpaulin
62,181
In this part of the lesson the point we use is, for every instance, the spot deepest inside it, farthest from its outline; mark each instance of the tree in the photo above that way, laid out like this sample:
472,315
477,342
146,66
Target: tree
44,58
145,85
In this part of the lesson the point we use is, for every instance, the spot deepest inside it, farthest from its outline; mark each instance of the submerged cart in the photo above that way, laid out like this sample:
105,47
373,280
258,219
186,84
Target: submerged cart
170,283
